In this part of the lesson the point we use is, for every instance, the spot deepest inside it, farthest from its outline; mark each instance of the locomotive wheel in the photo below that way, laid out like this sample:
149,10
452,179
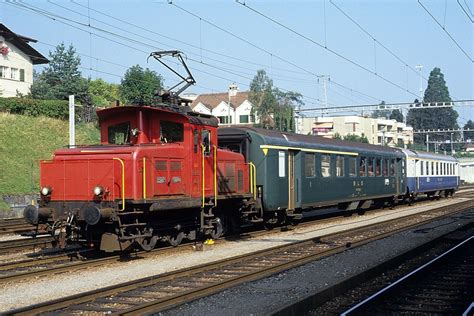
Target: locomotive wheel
148,244
218,230
175,240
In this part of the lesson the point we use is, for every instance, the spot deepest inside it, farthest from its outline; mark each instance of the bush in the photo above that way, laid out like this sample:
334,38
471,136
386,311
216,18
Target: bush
34,107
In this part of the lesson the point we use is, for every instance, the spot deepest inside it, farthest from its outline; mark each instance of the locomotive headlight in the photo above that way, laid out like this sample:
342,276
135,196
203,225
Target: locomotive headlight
46,191
98,190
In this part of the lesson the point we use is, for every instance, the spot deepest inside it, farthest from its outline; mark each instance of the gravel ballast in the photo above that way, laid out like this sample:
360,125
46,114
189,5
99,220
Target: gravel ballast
277,289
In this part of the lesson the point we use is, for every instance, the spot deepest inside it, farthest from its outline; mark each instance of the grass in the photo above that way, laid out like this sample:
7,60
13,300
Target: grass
25,140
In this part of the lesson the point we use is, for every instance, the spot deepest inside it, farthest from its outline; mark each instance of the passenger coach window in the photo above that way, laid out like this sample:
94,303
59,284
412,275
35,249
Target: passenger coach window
363,166
309,165
371,162
437,168
171,132
432,168
377,167
340,166
421,167
281,164
392,167
427,168
325,166
385,167
352,167
119,133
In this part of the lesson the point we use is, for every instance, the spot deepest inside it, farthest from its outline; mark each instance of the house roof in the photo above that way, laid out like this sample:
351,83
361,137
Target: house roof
212,100
22,43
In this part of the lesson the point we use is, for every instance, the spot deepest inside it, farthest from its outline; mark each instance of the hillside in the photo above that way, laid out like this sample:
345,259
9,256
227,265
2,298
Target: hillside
25,140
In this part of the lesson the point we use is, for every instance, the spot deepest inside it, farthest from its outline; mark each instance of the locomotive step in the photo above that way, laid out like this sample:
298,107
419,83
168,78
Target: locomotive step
130,213
133,224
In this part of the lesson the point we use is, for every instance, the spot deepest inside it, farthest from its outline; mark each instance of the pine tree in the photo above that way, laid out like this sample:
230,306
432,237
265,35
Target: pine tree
61,77
439,118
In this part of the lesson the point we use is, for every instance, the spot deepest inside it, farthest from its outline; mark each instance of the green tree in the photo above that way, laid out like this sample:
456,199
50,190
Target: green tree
61,77
140,86
396,115
103,93
263,99
469,135
356,138
286,102
437,118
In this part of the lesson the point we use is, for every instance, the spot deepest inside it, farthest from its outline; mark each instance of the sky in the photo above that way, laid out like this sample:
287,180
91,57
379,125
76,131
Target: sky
365,51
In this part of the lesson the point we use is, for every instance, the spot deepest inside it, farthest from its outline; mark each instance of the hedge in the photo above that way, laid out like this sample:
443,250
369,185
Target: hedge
33,107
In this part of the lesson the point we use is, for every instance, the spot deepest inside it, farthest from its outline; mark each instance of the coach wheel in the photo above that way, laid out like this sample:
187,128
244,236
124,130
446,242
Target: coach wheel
176,239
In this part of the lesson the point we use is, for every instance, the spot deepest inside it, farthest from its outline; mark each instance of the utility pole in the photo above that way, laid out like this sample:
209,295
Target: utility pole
419,67
232,93
427,143
324,78
72,122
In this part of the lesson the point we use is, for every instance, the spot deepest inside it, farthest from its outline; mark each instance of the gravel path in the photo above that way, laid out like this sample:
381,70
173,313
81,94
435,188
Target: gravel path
14,295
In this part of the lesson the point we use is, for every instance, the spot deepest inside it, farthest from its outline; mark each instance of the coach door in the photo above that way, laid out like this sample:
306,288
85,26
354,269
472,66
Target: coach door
293,179
400,175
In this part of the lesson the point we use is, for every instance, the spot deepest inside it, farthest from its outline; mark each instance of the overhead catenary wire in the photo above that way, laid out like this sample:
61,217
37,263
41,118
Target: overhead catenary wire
446,31
326,48
273,55
391,52
56,18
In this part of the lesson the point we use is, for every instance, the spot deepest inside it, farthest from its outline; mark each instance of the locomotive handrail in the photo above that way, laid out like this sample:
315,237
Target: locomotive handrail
215,175
203,149
123,182
253,179
144,178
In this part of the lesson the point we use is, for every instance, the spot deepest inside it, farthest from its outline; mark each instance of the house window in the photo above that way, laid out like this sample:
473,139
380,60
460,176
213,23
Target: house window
309,166
243,118
352,167
22,75
3,71
225,119
326,166
14,74
340,166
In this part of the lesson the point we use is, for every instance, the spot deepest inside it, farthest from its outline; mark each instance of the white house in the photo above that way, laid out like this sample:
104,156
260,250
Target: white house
238,112
17,58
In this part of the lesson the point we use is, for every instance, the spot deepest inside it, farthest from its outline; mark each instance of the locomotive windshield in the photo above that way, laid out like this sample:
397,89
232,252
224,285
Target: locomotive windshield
119,134
171,132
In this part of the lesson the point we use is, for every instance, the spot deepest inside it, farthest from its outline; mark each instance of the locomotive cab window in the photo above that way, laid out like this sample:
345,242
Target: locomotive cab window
119,134
171,132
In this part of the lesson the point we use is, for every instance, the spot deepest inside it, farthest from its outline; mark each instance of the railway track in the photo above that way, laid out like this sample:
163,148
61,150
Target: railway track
443,285
14,226
160,292
66,262
11,245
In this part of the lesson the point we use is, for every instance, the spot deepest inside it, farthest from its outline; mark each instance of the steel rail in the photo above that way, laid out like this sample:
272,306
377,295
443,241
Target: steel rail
18,244
285,257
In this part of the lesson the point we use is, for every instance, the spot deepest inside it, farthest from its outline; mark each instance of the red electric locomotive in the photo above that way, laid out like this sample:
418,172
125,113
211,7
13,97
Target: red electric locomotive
158,175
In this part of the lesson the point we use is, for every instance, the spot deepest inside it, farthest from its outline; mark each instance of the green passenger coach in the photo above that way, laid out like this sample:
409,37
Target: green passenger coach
299,172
